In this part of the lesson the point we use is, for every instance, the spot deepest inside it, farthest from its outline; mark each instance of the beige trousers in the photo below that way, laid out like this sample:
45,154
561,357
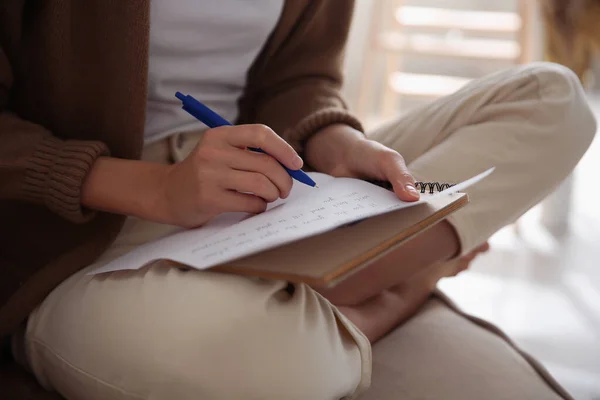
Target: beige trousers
167,333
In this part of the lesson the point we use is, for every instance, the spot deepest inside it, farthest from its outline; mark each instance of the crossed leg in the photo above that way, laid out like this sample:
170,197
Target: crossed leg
532,123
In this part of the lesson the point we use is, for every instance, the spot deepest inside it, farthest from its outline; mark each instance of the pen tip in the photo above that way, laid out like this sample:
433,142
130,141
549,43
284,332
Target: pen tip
316,186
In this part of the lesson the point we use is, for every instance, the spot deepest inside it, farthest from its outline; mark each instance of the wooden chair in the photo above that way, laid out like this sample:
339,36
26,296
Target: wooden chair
400,34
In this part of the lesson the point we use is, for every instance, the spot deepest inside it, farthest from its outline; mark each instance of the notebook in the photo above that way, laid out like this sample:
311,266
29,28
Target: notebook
317,235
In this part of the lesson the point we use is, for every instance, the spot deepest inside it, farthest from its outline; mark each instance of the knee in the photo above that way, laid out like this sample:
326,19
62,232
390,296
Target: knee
564,108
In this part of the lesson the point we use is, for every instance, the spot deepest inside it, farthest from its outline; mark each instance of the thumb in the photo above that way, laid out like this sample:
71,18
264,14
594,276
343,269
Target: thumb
401,179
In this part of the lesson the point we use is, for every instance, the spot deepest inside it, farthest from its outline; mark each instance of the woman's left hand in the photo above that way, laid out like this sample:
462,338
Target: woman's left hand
341,151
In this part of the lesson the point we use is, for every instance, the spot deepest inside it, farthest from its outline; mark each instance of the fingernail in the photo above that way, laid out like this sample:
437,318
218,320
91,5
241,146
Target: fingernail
297,162
412,190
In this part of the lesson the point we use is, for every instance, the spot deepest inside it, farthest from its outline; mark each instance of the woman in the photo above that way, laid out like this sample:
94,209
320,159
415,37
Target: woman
97,158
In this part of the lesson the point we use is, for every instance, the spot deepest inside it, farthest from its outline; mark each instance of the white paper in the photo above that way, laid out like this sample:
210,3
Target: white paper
306,212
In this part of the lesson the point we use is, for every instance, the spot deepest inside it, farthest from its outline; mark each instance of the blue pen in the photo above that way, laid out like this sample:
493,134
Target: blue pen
213,120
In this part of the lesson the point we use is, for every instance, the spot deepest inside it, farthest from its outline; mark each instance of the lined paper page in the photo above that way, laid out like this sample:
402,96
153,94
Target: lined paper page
305,213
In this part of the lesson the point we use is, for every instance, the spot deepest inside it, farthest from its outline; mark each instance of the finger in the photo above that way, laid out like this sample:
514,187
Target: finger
469,257
251,182
263,137
397,174
230,201
264,164
480,249
463,266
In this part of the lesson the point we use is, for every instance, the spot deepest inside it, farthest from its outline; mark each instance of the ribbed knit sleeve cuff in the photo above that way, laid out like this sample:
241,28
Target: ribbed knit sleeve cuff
310,125
56,172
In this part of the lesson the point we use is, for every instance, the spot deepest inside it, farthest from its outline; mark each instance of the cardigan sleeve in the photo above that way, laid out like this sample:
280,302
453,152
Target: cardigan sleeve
297,89
36,166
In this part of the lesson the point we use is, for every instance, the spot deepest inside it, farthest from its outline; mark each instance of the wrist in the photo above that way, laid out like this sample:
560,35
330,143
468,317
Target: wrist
127,187
331,147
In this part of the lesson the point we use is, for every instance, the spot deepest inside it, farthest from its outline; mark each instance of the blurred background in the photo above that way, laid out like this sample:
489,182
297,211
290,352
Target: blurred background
540,282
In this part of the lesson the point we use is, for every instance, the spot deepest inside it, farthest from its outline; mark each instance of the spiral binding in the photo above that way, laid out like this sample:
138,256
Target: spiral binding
433,186
421,186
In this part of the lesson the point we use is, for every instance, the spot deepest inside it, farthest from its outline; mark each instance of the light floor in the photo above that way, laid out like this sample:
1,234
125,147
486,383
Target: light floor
543,289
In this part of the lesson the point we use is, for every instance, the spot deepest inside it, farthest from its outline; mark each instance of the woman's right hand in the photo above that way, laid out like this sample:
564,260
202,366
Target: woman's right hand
220,175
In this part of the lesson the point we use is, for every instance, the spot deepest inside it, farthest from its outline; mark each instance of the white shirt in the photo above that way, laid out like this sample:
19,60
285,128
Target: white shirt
203,48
